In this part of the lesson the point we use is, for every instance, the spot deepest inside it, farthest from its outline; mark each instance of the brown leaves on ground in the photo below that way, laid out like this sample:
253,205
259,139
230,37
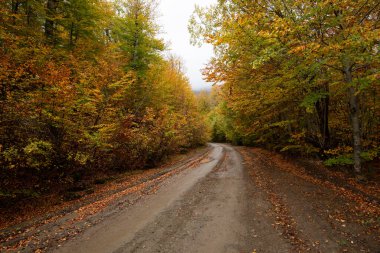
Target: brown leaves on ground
339,205
284,222
71,218
363,205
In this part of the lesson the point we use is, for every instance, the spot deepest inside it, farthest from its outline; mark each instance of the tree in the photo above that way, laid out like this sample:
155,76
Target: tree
136,31
277,58
84,90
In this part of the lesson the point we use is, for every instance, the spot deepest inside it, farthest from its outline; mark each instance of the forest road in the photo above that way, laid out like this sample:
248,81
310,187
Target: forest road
205,208
217,199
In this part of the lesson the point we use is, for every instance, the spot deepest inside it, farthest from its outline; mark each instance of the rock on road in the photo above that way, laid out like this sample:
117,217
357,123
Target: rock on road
205,208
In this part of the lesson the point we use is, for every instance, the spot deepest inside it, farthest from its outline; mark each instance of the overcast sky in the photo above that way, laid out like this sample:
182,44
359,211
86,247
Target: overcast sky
174,17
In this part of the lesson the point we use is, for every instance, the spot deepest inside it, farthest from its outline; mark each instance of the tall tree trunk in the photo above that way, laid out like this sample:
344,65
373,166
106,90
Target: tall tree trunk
71,40
3,91
51,9
108,35
135,41
322,107
15,5
354,116
28,12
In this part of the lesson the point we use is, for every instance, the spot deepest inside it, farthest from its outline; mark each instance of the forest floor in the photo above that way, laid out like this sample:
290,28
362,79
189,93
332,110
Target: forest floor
314,208
216,199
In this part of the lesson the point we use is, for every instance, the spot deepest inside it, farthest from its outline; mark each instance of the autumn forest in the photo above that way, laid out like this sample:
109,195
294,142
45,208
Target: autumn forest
84,87
296,76
88,89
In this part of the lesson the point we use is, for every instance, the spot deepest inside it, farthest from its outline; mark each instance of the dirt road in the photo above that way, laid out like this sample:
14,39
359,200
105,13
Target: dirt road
219,201
203,209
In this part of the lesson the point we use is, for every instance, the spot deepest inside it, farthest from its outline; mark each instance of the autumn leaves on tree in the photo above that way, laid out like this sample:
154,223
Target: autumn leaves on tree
84,87
297,76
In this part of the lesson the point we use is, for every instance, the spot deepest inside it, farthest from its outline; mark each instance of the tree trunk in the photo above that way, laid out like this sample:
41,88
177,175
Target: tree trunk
71,39
354,116
107,32
28,10
51,9
135,41
322,107
15,6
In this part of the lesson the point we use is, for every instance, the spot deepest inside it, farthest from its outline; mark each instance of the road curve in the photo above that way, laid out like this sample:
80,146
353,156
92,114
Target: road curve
205,208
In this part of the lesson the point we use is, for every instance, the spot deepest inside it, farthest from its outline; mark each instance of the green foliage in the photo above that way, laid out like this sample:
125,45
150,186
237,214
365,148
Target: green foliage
297,76
311,99
340,160
136,30
38,154
11,157
371,154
